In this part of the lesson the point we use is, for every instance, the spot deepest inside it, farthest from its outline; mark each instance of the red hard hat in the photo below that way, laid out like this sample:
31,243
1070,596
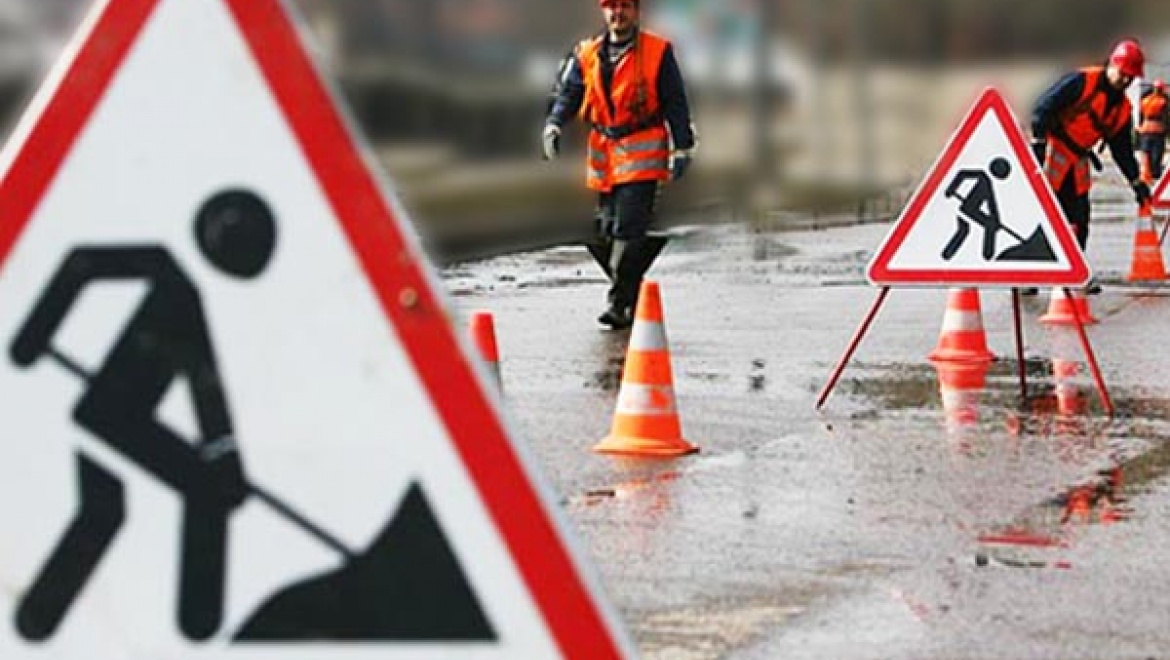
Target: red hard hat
1159,84
1128,57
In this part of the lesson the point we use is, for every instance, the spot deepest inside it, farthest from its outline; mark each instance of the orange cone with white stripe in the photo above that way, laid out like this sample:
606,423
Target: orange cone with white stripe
482,329
646,420
1063,310
1147,264
962,338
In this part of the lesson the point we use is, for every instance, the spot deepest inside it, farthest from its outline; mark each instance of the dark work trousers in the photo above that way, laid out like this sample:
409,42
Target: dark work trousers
1154,145
624,215
1076,209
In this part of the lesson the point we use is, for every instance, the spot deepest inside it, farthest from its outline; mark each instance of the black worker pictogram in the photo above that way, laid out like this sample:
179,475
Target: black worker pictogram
169,337
975,191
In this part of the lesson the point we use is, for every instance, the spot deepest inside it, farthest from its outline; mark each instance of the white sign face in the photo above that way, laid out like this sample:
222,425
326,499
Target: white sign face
237,421
984,215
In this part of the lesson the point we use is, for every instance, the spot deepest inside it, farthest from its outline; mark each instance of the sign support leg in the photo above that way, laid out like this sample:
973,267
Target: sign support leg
1019,345
853,343
1094,369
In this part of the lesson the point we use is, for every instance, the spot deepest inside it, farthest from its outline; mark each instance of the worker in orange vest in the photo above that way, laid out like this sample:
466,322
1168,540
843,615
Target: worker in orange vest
625,84
1081,110
1154,115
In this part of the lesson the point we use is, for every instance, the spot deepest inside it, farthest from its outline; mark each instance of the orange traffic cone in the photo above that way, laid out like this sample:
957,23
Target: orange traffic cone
646,422
482,329
1147,261
1063,310
961,338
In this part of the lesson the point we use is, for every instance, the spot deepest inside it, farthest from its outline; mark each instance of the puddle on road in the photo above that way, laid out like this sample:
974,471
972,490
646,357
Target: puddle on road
978,410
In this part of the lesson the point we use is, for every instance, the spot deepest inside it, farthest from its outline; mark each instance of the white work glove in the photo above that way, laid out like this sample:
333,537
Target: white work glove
550,141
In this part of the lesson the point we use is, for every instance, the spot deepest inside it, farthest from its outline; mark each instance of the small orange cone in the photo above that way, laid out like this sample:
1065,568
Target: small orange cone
646,422
1147,261
962,338
1063,310
482,329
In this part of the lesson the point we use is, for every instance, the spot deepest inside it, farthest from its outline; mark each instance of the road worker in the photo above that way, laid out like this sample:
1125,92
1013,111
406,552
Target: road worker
625,84
1077,113
1154,116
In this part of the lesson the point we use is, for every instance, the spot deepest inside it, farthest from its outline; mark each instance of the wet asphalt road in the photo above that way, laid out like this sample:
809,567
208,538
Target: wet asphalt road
885,526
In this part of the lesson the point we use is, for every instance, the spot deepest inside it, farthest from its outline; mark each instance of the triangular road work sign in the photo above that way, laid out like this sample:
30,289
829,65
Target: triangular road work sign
1160,198
237,420
983,216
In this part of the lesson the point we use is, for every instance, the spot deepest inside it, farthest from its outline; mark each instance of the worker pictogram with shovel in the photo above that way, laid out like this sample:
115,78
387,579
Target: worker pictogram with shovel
168,338
977,205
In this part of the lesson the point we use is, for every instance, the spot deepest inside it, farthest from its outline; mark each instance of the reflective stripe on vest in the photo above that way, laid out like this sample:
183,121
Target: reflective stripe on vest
1059,161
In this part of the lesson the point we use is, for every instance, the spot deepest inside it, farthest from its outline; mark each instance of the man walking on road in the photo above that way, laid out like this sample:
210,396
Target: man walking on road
1155,115
626,85
1084,108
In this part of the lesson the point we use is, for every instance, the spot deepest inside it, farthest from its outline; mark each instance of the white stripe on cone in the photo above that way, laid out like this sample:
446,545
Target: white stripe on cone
957,320
648,336
639,399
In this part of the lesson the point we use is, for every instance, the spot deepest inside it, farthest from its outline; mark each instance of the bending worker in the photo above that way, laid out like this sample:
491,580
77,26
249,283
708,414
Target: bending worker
1151,130
1080,110
626,85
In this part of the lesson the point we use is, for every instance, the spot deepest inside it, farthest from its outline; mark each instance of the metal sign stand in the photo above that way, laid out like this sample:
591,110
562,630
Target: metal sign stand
1094,368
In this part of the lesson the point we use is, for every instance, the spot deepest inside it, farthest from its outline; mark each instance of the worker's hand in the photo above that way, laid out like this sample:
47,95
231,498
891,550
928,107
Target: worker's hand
680,162
1141,193
1094,160
225,471
550,141
1040,150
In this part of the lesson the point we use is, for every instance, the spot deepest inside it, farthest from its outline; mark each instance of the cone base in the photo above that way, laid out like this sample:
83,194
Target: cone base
1068,319
1146,277
954,355
655,447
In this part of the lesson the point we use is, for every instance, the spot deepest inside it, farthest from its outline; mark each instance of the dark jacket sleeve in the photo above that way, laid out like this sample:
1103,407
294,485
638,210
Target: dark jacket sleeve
1121,146
1061,95
672,95
568,92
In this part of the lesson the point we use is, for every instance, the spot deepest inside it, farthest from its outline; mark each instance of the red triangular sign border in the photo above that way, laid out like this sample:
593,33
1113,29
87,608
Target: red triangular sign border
578,622
1160,198
880,273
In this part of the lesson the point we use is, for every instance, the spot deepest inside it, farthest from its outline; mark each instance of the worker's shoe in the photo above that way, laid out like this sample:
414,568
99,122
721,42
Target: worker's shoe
617,317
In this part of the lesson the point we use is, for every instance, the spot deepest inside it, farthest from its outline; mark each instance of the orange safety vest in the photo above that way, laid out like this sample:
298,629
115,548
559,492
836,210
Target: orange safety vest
1153,114
629,143
1079,128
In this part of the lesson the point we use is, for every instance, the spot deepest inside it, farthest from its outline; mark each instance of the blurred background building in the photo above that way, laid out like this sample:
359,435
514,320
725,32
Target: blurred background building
802,106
